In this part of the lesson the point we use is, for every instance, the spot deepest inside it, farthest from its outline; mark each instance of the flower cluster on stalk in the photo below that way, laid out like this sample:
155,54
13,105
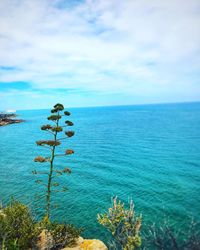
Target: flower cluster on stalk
55,129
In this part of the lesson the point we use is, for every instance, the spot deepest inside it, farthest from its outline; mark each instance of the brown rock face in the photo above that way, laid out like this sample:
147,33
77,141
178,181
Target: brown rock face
6,121
45,241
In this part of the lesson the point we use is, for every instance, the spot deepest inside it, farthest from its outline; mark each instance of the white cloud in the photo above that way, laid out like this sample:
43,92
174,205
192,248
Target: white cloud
129,46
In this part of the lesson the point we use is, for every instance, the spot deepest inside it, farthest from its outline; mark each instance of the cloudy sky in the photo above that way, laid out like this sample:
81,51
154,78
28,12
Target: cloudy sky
98,52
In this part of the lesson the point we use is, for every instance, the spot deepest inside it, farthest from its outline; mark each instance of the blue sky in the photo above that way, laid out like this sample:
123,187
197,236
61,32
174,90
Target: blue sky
98,52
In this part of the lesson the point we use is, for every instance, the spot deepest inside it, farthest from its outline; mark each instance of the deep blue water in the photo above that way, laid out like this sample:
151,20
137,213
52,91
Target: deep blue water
150,153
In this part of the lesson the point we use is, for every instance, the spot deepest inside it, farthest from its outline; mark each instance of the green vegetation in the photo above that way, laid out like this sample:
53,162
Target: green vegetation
19,231
17,228
123,225
54,129
165,236
126,233
63,234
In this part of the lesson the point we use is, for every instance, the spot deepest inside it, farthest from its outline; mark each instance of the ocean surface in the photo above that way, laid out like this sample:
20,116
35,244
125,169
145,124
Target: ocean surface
150,153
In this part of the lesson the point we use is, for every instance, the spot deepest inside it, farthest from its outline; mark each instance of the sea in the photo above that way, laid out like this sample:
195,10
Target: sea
146,153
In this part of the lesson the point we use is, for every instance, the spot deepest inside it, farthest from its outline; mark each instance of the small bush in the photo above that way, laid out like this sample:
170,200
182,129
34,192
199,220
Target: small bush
17,229
166,236
123,225
63,234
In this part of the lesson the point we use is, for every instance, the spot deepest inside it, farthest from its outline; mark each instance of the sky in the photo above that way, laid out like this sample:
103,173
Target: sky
98,52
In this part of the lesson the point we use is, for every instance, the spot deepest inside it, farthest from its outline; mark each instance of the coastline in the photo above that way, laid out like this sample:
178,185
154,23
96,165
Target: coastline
6,119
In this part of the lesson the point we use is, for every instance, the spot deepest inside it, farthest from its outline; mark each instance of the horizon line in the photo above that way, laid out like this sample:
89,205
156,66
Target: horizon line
119,105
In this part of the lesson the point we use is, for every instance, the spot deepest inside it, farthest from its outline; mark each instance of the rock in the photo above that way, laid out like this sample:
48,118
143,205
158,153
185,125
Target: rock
76,246
6,119
45,241
85,244
93,245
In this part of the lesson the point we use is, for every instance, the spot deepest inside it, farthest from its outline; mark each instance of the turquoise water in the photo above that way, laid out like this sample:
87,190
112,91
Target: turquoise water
150,153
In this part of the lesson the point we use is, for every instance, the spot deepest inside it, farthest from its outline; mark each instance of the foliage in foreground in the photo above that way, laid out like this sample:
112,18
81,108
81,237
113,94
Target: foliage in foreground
125,229
55,128
167,237
63,234
19,231
123,225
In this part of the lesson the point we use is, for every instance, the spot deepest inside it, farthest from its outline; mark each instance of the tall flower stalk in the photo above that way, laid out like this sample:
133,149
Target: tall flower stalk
55,129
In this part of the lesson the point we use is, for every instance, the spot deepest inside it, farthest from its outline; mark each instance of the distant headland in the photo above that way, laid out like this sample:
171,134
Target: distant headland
8,118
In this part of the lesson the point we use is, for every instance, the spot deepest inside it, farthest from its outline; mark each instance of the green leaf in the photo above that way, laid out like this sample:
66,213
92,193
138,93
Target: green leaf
57,129
59,107
67,113
54,117
54,111
69,123
46,127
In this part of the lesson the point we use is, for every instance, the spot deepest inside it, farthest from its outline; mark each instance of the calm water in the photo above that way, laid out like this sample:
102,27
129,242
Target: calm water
150,153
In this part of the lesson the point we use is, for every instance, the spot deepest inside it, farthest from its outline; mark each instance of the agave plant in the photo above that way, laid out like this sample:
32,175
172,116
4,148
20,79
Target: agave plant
55,129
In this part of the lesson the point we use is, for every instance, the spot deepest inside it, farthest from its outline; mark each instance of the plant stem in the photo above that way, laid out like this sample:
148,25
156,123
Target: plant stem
48,196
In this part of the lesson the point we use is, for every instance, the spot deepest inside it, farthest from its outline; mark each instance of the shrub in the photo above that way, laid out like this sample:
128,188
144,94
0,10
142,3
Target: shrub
63,234
123,225
165,236
17,230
